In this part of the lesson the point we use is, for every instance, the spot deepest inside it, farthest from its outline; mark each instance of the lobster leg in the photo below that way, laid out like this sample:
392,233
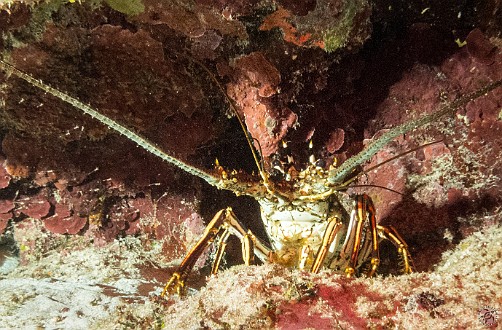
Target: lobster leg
391,234
248,247
363,211
222,245
375,255
223,224
332,230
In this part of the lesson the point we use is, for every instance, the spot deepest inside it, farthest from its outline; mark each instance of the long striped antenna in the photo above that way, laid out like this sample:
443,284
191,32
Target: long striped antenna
337,175
112,124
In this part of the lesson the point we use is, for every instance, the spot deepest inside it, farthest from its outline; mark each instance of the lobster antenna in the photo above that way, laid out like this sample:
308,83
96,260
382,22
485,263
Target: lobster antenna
110,123
336,175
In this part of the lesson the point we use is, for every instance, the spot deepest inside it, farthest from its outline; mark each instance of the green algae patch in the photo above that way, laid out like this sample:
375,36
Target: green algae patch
128,7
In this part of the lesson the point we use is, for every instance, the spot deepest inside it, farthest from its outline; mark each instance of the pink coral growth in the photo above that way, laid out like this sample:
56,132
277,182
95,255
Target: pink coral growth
328,24
338,298
64,222
254,81
192,21
6,206
35,206
4,176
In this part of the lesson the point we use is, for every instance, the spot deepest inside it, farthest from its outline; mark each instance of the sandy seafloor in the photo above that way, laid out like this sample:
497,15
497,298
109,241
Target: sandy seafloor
86,287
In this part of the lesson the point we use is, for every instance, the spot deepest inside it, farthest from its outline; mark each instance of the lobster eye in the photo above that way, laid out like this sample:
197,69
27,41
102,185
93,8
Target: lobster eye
277,164
320,163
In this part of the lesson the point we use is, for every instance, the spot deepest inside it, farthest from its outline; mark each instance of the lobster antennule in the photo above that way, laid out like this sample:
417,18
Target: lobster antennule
366,171
256,156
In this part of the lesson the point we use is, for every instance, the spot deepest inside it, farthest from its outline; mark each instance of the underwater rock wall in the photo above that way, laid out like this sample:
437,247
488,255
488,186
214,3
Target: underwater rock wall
337,73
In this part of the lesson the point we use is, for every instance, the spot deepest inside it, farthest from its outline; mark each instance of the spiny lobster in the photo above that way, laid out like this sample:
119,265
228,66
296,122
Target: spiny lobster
304,215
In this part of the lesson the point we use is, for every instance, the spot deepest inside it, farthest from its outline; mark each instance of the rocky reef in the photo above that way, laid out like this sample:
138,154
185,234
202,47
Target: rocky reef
334,73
